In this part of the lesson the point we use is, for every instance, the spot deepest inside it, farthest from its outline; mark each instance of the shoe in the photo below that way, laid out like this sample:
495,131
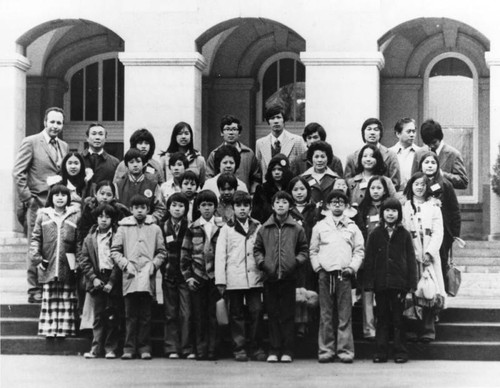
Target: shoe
400,360
90,355
35,298
272,358
127,356
110,355
286,358
379,359
325,360
259,356
202,357
191,356
346,360
173,356
241,356
146,356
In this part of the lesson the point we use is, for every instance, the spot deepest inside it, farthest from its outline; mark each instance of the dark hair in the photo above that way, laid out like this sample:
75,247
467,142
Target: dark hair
228,120
190,175
173,146
408,191
139,200
79,179
320,146
301,179
223,151
178,197
347,190
107,209
106,183
367,200
227,179
380,166
391,203
273,111
282,195
132,153
337,194
242,198
56,189
371,121
398,127
206,196
53,109
433,155
175,157
282,161
92,125
143,135
431,130
313,128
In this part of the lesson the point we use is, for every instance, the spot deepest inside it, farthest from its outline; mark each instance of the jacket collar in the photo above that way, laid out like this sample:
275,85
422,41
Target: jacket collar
271,221
131,221
344,220
252,226
50,212
328,171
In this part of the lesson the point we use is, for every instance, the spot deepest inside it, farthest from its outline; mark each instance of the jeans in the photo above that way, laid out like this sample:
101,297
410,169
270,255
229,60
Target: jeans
106,327
138,322
368,316
205,318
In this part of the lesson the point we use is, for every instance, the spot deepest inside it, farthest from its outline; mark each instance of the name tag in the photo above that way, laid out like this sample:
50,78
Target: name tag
312,182
435,187
363,185
170,239
218,221
375,218
150,170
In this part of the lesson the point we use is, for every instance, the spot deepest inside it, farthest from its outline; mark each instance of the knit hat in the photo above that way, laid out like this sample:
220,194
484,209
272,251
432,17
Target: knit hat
279,159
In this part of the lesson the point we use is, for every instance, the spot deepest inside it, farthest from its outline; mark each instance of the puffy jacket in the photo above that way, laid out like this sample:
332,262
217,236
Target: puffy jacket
235,265
279,249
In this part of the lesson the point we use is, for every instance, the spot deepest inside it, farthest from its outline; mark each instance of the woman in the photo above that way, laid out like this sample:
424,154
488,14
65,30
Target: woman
182,141
73,177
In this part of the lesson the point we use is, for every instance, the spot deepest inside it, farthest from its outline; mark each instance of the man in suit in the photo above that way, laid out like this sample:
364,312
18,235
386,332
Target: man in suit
279,141
450,159
372,131
38,161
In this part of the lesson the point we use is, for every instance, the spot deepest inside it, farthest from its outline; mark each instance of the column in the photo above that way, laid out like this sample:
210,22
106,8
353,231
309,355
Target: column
342,90
162,89
13,102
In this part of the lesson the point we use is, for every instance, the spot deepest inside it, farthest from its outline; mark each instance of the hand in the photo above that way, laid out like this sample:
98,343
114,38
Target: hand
347,273
152,269
98,284
130,269
43,265
427,260
192,284
107,288
89,173
222,289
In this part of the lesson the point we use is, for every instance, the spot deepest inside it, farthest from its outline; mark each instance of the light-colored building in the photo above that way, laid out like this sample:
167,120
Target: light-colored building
132,64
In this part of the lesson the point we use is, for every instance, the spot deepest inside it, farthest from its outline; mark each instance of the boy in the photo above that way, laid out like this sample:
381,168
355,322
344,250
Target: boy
137,182
237,276
280,246
189,186
103,283
177,164
176,297
197,266
138,250
227,184
337,251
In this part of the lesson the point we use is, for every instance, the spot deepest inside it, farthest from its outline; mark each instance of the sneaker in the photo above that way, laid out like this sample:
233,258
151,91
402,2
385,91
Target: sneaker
35,298
259,356
242,357
379,359
400,360
127,356
191,356
90,355
286,358
325,359
272,358
346,360
173,356
146,356
110,355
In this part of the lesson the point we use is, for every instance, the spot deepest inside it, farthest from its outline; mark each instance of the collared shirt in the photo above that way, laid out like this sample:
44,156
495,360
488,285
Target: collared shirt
103,250
207,226
405,159
441,145
54,149
136,180
96,153
244,225
274,139
168,188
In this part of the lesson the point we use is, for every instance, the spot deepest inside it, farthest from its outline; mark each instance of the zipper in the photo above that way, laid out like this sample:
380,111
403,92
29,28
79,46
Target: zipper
279,252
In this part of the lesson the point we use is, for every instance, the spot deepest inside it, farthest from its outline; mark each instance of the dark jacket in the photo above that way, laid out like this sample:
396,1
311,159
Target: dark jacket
442,189
390,262
303,164
261,204
279,249
104,168
172,269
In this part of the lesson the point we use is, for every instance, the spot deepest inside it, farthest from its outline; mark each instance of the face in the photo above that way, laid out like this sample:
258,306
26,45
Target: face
207,209
319,161
340,184
429,166
376,190
312,138
299,192
227,165
277,124
73,165
139,212
144,147
434,145
183,138
390,216
337,206
96,137
407,135
177,209
135,166
277,173
372,134
104,194
177,169
188,187
367,160
281,207
419,187
230,133
60,200
242,211
54,123
103,221
226,192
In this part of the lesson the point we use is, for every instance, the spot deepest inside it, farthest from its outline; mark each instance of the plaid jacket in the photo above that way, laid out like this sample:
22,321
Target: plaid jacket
171,270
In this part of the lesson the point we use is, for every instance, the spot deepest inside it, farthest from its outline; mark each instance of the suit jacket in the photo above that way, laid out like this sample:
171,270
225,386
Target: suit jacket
104,170
292,146
34,164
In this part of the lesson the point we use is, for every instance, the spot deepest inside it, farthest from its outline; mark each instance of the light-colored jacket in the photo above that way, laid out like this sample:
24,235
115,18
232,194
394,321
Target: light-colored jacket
235,265
142,246
334,248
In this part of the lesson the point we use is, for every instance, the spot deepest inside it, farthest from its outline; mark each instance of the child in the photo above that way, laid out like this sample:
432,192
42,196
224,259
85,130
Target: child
281,246
103,283
237,277
390,270
176,296
197,266
138,250
52,248
177,164
189,186
336,254
227,184
137,182
351,212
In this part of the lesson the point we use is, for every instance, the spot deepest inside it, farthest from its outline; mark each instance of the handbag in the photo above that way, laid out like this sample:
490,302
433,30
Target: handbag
426,287
412,310
221,312
454,277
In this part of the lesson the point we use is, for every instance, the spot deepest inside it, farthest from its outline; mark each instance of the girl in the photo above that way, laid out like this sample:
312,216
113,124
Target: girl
52,248
390,270
370,162
182,141
422,218
278,176
73,177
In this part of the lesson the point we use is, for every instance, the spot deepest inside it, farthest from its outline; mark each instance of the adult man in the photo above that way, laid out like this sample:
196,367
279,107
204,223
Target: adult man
279,141
405,148
102,164
39,159
372,131
249,169
450,160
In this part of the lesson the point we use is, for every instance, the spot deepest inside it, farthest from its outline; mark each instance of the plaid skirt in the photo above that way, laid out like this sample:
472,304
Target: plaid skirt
58,311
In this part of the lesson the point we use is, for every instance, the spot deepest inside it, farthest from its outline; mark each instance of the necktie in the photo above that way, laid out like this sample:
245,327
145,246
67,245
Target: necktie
55,151
176,229
277,147
93,160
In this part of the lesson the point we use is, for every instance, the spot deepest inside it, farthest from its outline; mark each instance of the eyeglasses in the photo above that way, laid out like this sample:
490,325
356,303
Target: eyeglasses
337,203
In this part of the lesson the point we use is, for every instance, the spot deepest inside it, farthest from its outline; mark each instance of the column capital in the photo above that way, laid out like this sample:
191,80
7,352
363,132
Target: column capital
343,58
492,58
163,59
15,60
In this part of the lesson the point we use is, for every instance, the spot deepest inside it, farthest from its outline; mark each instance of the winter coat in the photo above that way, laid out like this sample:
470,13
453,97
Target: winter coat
390,261
171,270
235,265
261,204
52,238
141,245
279,249
358,188
320,190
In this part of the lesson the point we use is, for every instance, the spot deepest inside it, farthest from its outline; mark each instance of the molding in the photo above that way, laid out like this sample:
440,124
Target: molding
17,60
163,59
342,59
492,58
